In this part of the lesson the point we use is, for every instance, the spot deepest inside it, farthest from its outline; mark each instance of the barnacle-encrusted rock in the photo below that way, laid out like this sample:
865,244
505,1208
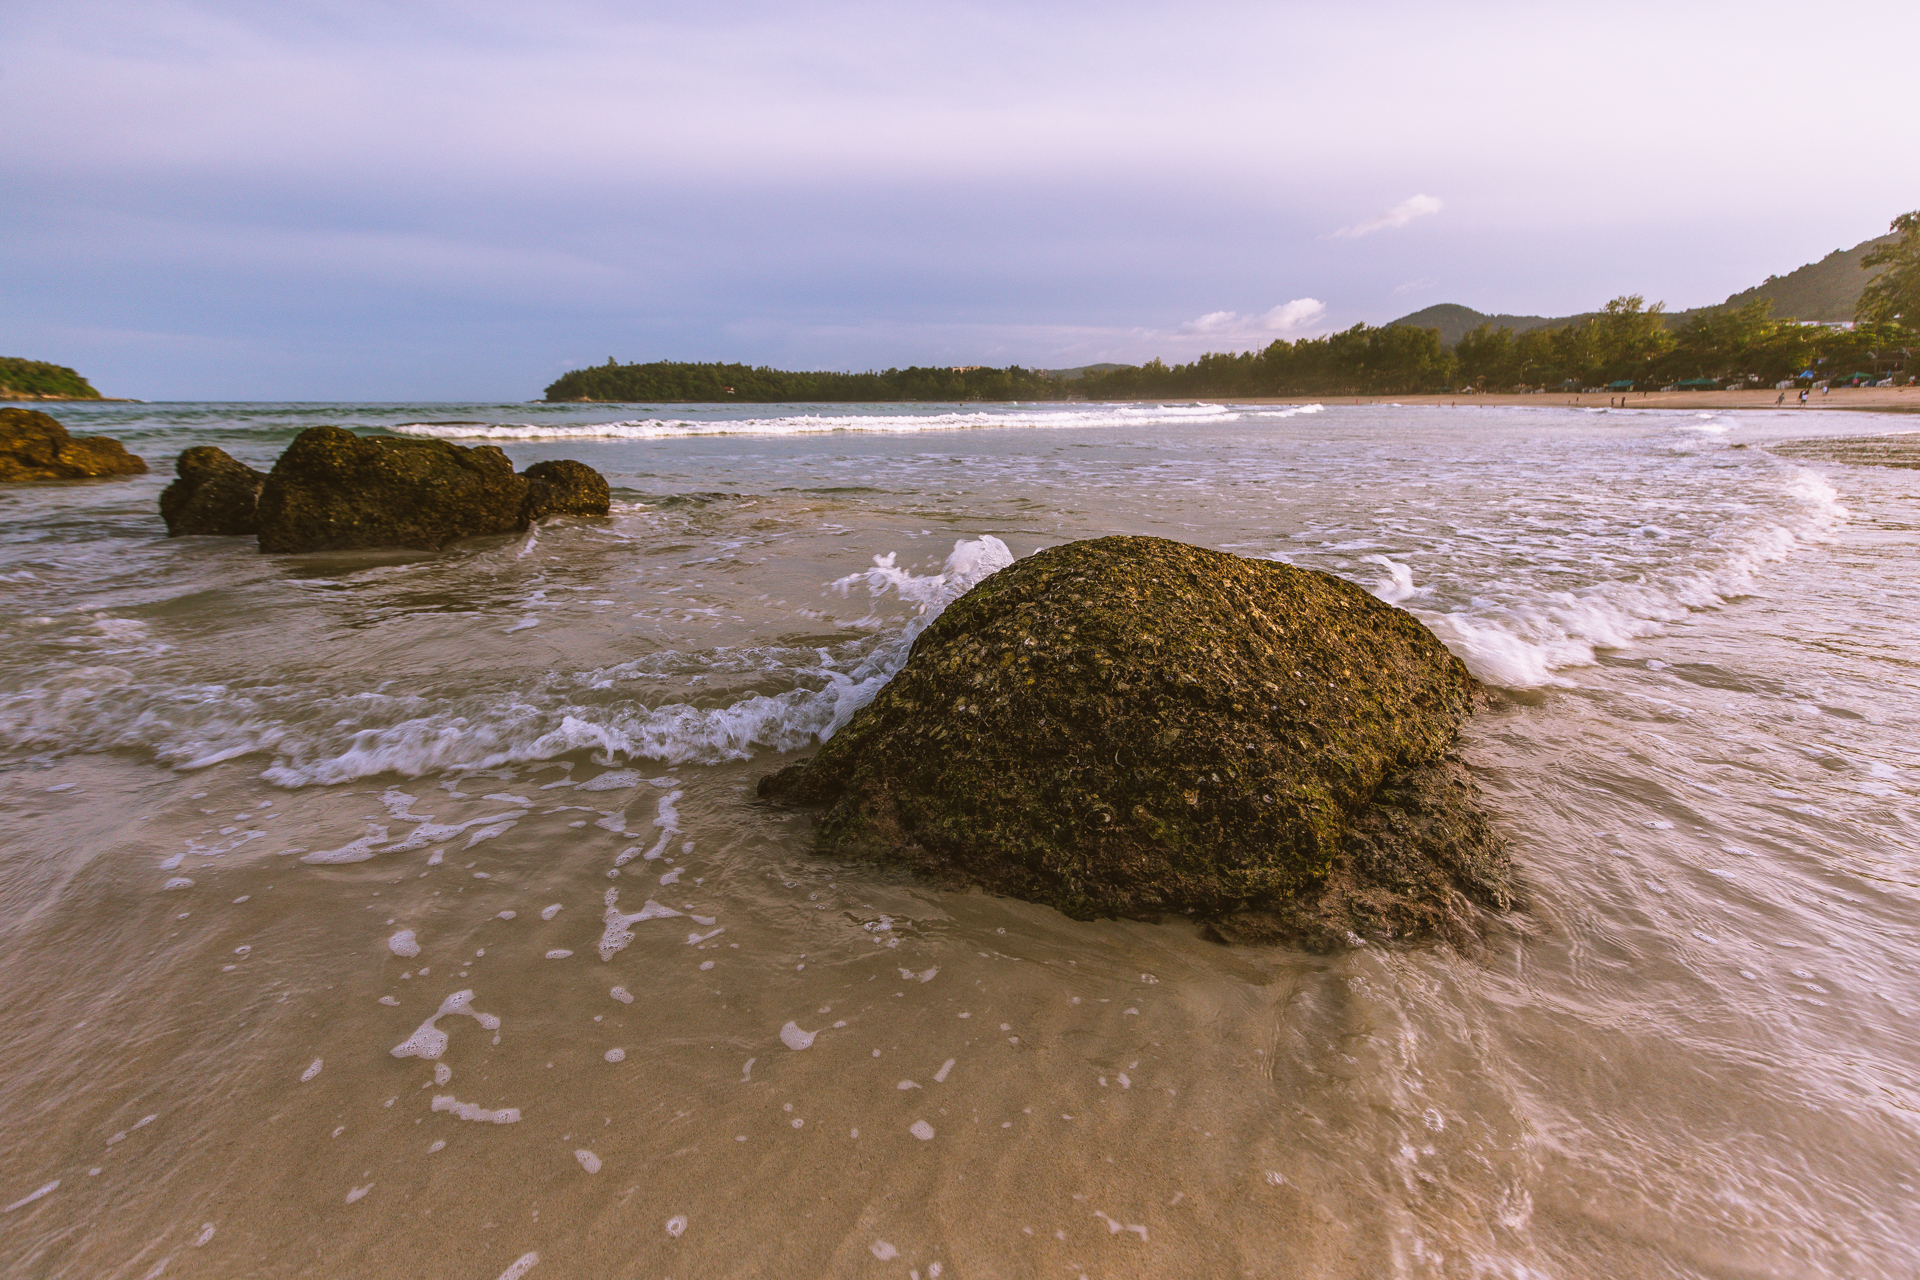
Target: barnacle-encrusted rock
215,494
1131,726
565,488
34,446
333,490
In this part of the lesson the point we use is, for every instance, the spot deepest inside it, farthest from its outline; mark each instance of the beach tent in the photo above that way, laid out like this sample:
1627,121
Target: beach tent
1625,384
1698,384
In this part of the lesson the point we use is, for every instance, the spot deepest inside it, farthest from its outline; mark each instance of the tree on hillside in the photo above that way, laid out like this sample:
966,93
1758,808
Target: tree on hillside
1895,293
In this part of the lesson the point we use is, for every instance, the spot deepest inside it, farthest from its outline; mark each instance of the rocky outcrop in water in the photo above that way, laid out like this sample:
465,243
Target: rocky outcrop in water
34,446
335,491
215,494
1130,726
565,488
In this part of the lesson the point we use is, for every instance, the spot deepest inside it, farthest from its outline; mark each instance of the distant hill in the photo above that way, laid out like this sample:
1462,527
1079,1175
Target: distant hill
1823,290
1455,321
1081,371
38,380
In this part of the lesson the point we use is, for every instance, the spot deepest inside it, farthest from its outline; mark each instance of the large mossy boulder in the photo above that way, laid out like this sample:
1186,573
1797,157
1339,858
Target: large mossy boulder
1129,726
215,494
34,446
333,490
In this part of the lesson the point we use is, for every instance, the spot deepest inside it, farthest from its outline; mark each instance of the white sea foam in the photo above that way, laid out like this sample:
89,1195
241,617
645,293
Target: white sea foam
474,1111
883,424
1524,639
618,931
429,1041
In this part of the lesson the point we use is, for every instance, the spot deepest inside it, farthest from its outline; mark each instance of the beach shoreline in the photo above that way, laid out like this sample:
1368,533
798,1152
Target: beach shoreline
1871,399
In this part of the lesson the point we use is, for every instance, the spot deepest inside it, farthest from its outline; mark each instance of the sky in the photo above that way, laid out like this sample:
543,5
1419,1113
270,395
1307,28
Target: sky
350,200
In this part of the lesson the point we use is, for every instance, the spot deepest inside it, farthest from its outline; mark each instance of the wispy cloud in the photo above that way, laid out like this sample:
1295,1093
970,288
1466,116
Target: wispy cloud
1398,216
1285,318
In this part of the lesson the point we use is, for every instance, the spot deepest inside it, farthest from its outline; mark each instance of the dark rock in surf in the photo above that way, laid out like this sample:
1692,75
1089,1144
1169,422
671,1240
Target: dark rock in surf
565,488
1129,726
335,491
215,495
34,446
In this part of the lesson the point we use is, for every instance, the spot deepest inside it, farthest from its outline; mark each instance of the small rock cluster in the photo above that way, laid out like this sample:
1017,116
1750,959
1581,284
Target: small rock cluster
333,490
34,446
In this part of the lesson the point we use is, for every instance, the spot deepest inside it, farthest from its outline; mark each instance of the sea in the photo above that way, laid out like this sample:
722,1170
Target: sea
412,914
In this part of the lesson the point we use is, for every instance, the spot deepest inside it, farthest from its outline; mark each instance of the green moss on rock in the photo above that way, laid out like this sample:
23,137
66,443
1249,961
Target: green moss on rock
1131,726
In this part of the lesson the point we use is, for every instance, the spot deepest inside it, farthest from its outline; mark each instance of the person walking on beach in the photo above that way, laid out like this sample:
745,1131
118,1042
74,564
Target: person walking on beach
1803,397
1782,399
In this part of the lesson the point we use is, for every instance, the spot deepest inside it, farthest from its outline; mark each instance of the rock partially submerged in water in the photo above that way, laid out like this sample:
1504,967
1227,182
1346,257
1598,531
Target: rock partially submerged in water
1129,726
565,488
215,494
335,491
34,446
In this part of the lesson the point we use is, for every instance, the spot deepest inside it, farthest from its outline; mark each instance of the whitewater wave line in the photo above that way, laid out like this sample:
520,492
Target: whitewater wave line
823,424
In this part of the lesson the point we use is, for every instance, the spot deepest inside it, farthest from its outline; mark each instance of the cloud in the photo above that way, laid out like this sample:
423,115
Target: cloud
1398,216
1285,318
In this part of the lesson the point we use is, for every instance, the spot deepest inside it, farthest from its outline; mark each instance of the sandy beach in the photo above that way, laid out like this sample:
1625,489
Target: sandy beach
1874,399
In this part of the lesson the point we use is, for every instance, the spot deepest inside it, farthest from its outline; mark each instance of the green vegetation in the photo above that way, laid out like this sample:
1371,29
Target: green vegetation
38,378
674,381
1895,293
1625,344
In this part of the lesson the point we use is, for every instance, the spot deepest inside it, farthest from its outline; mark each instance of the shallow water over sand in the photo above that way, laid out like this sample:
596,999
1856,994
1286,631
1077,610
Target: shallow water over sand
260,817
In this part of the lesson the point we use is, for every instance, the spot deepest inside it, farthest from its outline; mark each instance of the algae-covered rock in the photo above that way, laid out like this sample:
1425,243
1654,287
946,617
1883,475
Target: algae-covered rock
1130,726
565,488
215,494
333,490
34,446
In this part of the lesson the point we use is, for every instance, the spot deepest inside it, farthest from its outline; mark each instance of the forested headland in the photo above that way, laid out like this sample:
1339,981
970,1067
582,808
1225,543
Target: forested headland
38,380
1625,344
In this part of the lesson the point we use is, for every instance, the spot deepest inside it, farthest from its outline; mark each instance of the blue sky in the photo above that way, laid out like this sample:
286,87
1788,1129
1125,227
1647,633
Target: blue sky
351,200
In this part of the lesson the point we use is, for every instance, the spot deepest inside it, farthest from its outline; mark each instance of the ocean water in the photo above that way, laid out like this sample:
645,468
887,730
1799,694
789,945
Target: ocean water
397,914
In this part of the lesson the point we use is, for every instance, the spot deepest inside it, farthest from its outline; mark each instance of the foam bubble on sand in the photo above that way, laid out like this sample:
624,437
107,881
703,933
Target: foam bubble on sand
488,833
550,911
178,882
312,1070
883,1251
940,1076
677,1225
442,1074
474,1111
614,780
615,1055
353,851
45,1189
621,994
205,1237
588,1161
521,1265
429,1041
354,1196
619,925
559,953
921,1130
404,944
439,832
794,1038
